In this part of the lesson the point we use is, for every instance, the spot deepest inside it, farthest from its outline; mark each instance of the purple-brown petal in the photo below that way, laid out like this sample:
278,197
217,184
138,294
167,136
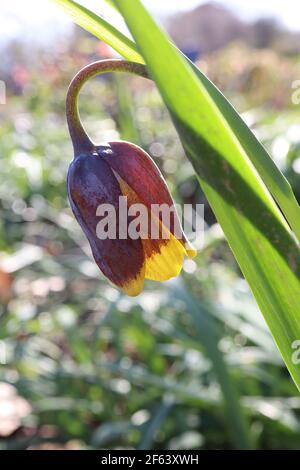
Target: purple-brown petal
140,172
91,182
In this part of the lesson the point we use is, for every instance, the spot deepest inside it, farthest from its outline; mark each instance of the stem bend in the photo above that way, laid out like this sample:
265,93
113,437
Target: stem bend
80,139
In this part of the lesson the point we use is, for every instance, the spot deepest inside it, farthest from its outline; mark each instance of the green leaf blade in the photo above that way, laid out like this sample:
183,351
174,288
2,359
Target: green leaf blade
100,28
256,230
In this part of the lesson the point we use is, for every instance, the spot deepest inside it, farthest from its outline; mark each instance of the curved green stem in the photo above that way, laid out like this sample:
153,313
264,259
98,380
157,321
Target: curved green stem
80,139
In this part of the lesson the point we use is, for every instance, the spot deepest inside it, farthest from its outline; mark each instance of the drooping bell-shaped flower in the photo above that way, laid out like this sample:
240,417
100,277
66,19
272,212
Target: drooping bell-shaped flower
98,178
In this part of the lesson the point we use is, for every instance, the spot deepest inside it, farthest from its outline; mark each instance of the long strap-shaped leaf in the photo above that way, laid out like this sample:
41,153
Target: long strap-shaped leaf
271,175
256,231
101,29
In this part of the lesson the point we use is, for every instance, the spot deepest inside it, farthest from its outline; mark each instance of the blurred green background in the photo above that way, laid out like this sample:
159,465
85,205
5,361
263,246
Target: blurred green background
187,363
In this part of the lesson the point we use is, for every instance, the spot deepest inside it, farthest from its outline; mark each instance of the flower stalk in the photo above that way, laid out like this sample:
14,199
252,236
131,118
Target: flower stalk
80,139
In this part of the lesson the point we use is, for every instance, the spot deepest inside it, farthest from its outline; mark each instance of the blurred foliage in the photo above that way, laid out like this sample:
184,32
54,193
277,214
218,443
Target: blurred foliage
93,368
253,77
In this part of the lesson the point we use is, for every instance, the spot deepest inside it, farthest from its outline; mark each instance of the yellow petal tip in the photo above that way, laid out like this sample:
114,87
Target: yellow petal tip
166,263
134,286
